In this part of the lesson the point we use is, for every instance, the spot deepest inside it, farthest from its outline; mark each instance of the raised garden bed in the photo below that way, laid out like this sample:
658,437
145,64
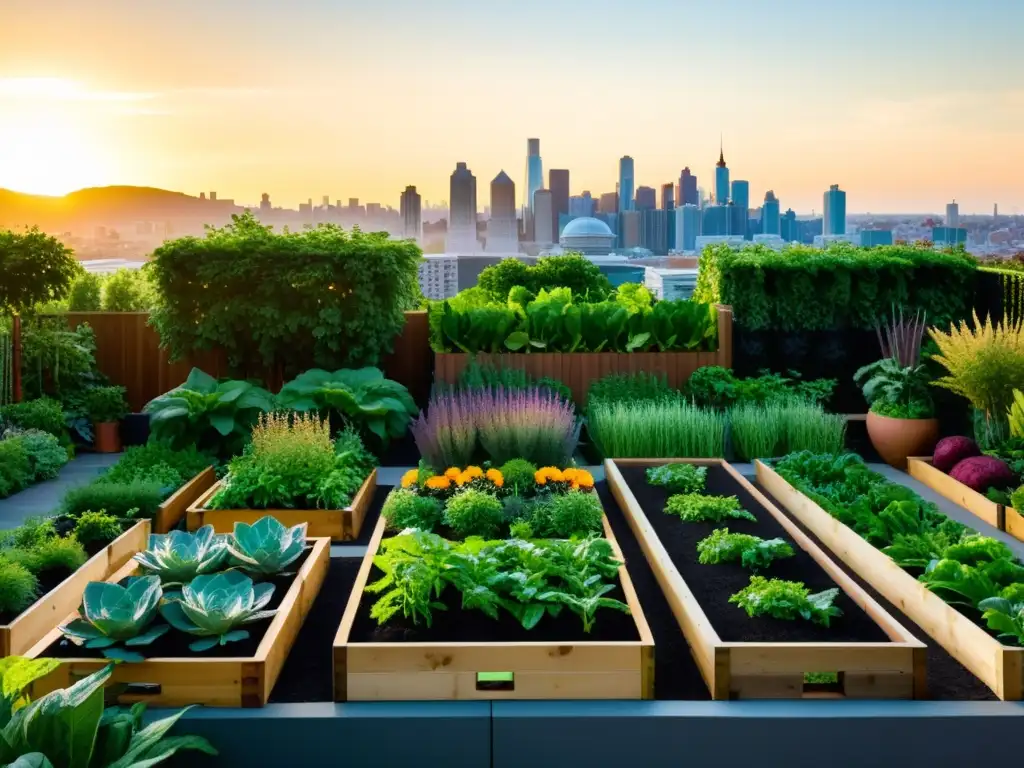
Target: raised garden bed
921,468
466,655
240,674
34,622
868,651
335,524
999,666
173,510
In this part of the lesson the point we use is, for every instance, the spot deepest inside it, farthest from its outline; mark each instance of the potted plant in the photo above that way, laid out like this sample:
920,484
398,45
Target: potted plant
901,420
106,407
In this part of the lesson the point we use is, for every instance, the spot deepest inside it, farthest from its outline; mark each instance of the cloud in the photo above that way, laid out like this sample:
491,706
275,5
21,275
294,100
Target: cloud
51,89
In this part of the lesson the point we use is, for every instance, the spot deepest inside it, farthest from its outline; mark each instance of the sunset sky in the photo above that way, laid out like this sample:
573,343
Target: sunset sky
906,104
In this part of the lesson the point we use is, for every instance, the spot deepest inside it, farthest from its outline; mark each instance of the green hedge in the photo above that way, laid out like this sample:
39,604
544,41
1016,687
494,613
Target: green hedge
843,286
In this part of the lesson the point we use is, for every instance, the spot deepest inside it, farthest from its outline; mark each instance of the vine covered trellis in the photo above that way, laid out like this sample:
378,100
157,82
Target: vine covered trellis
1013,295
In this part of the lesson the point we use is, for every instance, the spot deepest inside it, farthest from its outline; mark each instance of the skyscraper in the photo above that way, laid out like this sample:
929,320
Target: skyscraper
543,216
646,199
688,194
462,212
788,228
770,221
502,227
629,229
608,203
715,220
581,205
265,206
654,230
626,183
952,215
412,222
740,199
534,171
687,227
834,219
668,198
558,183
721,179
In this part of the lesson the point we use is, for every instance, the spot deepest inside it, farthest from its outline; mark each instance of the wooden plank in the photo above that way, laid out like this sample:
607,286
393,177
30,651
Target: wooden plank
920,468
335,524
219,682
998,666
173,509
769,670
446,686
1014,522
45,613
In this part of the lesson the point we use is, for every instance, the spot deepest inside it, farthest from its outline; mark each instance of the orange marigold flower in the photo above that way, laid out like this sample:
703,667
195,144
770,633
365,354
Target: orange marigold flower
439,483
570,473
582,479
409,478
474,471
544,474
495,477
452,472
463,478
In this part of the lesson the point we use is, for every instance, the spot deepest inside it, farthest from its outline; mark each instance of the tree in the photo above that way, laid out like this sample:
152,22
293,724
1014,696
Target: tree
127,290
85,293
35,269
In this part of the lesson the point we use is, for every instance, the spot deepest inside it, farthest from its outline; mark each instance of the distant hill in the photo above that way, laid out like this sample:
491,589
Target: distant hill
104,206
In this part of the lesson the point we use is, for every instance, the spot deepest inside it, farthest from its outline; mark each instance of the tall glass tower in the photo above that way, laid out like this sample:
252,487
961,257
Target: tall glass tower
534,171
627,182
770,219
721,179
834,220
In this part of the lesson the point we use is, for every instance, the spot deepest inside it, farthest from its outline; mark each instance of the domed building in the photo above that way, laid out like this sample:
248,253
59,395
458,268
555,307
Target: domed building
589,236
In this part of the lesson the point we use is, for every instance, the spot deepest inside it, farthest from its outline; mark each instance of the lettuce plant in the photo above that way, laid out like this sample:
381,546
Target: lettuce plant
787,600
1005,617
178,557
115,614
698,508
267,547
753,552
213,607
678,478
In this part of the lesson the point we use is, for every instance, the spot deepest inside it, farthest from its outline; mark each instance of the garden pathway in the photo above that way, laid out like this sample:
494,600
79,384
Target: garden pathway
45,497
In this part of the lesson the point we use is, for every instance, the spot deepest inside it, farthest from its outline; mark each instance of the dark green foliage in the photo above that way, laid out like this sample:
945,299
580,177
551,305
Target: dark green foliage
569,514
406,509
1017,499
15,466
712,386
887,384
787,600
555,387
473,513
85,293
631,388
52,555
808,289
106,404
519,476
580,275
678,478
715,387
515,509
17,588
45,453
490,376
128,290
122,500
698,508
33,531
752,552
1004,616
158,463
44,414
283,301
97,529
36,269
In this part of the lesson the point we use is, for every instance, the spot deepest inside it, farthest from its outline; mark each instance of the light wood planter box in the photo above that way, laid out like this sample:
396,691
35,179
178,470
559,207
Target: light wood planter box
173,509
999,666
214,682
893,670
40,617
450,670
335,524
920,468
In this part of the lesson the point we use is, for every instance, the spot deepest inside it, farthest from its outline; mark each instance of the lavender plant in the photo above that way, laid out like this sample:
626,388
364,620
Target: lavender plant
446,432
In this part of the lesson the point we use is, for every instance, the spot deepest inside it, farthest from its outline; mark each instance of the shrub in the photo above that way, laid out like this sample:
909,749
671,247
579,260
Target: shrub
950,451
18,588
106,404
664,430
37,268
43,414
630,388
571,514
51,556
158,463
518,475
122,500
473,513
127,290
678,478
262,282
85,293
97,529
712,386
15,466
579,274
406,509
698,508
46,454
982,473
28,534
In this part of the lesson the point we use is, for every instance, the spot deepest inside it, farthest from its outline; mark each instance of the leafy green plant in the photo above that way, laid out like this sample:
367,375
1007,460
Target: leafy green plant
656,430
116,618
157,463
213,607
678,478
473,513
631,388
51,556
128,290
363,398
405,509
37,268
85,293
698,508
97,529
106,404
44,414
564,515
809,428
15,466
122,500
752,552
712,386
518,475
787,600
68,728
179,556
887,381
580,275
18,588
267,547
45,453
214,417
1004,617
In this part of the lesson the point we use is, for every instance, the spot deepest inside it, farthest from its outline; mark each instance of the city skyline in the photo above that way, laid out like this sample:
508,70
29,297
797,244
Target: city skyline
901,107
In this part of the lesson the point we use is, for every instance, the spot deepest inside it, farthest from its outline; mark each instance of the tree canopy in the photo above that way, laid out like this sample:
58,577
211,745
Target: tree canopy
34,268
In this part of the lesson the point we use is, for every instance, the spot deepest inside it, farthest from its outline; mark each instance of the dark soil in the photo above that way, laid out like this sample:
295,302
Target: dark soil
175,644
306,675
372,515
712,585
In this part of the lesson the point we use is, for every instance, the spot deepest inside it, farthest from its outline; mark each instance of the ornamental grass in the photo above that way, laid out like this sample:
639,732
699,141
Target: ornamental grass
656,430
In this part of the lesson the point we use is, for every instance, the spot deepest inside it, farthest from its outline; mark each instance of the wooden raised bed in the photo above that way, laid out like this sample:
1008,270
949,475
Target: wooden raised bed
40,617
920,468
731,670
335,524
211,681
381,671
174,507
578,369
999,666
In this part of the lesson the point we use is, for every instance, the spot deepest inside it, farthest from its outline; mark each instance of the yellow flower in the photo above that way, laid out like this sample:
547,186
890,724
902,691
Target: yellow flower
542,475
439,483
409,478
463,478
452,472
495,477
570,474
583,479
474,471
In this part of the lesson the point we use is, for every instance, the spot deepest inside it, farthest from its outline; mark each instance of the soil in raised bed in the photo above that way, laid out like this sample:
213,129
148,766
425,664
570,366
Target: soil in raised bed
306,675
174,644
712,585
372,515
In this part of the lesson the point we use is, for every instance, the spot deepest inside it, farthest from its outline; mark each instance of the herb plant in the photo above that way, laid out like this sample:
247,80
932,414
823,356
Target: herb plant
518,475
97,529
752,552
787,600
17,588
156,462
405,509
123,500
656,430
678,478
473,513
106,404
698,508
575,513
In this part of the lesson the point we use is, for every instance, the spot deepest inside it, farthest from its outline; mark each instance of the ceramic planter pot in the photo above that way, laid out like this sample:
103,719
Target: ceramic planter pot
896,439
107,437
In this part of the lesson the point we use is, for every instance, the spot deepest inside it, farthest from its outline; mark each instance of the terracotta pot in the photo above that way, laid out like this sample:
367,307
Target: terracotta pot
107,437
896,439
